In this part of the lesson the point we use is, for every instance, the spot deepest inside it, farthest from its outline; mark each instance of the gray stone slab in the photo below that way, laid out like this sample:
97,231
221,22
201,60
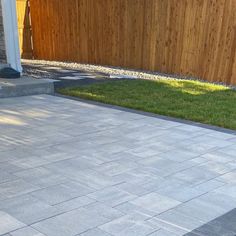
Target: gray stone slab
167,167
183,221
179,155
139,229
209,185
116,167
96,231
128,225
10,166
167,184
197,147
168,228
204,211
104,210
139,175
135,188
218,157
228,189
27,231
112,196
28,209
155,202
15,188
29,162
12,154
220,199
144,151
62,192
196,175
130,209
6,177
74,203
92,178
228,177
70,223
116,226
215,167
230,150
182,194
41,177
8,223
53,155
163,232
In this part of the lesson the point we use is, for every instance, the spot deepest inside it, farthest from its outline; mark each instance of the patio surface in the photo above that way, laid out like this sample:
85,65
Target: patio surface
74,168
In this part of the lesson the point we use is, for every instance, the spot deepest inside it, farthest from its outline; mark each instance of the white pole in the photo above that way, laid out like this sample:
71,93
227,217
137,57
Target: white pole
11,34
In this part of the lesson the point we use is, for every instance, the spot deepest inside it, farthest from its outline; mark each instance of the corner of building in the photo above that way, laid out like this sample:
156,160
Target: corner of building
9,42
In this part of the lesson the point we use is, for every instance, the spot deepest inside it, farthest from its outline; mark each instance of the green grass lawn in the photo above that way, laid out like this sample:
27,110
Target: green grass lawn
190,100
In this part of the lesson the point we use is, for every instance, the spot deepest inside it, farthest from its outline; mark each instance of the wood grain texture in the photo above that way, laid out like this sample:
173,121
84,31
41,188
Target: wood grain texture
195,38
24,28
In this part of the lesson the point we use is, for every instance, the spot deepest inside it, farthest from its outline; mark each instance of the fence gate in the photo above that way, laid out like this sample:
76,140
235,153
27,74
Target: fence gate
25,29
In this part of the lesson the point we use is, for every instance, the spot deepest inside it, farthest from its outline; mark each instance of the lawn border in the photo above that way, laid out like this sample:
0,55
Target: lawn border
149,114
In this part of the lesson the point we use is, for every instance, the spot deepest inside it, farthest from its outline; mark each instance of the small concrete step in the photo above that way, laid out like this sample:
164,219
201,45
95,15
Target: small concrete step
25,86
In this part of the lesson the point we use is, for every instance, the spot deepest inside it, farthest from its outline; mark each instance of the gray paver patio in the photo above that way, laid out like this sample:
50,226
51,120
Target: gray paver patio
72,168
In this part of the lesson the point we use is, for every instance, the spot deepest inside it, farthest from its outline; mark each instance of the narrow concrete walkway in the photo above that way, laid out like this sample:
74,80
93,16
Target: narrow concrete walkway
25,86
65,77
71,168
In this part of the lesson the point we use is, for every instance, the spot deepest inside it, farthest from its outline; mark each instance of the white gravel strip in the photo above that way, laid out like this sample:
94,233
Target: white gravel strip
113,70
104,69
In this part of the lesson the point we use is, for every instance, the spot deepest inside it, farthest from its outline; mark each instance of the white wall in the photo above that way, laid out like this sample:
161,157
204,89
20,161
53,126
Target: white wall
11,34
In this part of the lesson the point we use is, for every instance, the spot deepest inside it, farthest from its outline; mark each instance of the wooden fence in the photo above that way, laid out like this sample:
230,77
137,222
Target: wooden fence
24,28
187,37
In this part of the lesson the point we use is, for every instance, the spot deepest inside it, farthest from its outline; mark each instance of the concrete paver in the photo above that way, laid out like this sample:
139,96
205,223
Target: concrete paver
73,168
